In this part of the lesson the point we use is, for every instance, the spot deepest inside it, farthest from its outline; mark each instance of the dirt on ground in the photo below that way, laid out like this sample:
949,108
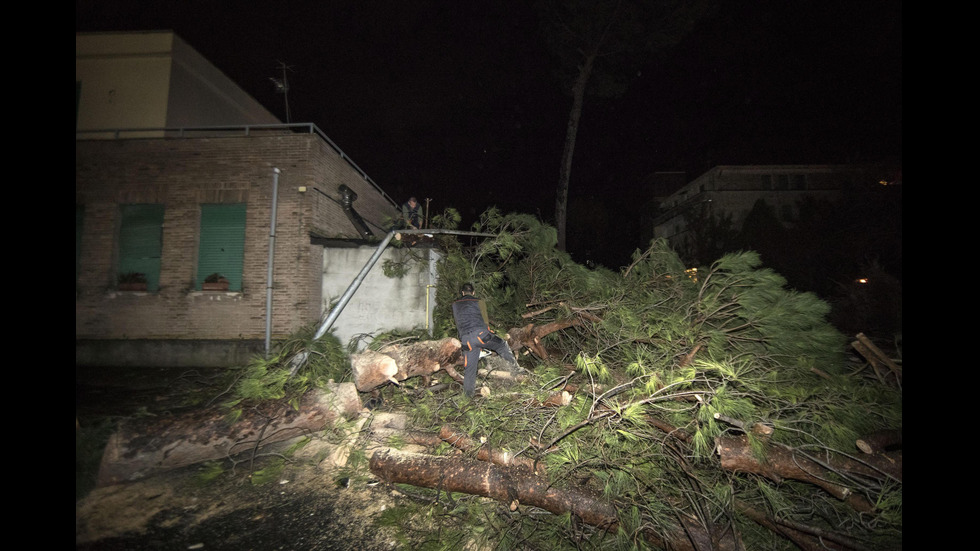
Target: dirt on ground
312,503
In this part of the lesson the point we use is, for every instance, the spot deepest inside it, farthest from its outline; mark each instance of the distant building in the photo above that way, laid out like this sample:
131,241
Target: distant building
180,176
733,191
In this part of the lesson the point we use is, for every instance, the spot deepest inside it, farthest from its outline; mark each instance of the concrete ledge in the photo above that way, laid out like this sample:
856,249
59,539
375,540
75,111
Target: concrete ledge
166,352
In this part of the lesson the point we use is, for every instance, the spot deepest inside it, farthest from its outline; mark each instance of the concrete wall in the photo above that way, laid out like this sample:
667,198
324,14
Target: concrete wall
380,303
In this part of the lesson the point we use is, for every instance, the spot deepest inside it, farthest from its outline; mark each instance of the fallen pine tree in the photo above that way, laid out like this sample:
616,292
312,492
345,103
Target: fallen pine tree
654,362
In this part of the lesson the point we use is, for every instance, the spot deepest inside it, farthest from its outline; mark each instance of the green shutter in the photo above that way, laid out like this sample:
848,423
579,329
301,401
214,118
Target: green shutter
141,242
222,246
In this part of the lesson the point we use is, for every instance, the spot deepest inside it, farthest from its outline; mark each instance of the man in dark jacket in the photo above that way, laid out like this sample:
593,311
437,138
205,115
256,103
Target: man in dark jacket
474,334
412,215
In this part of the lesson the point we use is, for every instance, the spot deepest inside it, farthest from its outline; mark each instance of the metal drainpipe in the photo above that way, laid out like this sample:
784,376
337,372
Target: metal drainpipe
272,252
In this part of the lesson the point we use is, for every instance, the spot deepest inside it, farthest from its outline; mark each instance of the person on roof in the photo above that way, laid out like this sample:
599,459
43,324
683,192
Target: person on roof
412,215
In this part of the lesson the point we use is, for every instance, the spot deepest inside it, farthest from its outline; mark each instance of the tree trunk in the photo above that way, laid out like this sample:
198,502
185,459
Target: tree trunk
516,488
880,441
530,336
144,446
571,132
781,463
395,363
485,453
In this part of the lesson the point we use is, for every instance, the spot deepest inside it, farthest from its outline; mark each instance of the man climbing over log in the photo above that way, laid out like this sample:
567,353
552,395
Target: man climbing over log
473,326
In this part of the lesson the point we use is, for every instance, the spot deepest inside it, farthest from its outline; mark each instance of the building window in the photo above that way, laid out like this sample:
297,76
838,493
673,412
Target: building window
140,243
222,246
797,182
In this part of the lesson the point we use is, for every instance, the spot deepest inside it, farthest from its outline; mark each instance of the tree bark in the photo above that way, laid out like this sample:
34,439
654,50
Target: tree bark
876,357
485,453
145,446
396,363
530,336
880,441
515,488
571,132
782,463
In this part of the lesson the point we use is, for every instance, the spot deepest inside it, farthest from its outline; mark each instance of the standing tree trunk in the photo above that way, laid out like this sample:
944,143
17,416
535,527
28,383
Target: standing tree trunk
571,132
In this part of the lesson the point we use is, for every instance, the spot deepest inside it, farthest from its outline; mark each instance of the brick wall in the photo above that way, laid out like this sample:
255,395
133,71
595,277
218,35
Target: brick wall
183,173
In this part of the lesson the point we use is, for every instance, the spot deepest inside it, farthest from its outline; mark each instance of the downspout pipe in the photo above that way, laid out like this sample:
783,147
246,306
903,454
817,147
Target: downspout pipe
272,254
300,358
347,198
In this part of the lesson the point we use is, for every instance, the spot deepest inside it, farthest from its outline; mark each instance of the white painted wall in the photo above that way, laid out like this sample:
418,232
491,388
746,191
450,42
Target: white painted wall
380,303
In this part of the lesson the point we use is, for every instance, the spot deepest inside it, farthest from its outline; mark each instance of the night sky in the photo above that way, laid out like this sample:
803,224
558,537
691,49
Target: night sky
456,101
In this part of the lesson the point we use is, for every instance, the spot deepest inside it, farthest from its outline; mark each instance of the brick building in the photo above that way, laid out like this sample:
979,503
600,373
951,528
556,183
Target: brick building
269,207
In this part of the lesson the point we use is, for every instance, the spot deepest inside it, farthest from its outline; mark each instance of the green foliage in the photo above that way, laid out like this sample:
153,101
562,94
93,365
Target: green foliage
269,473
395,269
448,220
708,352
208,472
269,378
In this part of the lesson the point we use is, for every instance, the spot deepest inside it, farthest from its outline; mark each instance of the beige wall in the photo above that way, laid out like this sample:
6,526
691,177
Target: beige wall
155,80
125,80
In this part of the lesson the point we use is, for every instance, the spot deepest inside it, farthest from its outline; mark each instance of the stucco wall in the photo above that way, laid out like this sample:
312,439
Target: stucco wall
380,303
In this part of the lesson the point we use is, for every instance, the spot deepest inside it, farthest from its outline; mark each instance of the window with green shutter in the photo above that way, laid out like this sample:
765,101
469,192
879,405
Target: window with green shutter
140,243
222,245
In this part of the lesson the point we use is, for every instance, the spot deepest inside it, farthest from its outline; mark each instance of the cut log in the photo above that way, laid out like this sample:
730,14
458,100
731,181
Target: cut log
880,441
395,363
782,463
515,488
145,446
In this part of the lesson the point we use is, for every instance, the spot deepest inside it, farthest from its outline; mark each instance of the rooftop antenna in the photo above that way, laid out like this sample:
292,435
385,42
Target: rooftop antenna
282,86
